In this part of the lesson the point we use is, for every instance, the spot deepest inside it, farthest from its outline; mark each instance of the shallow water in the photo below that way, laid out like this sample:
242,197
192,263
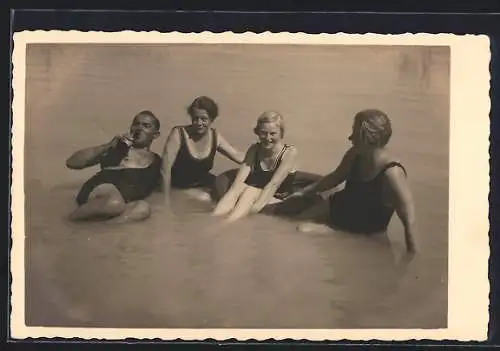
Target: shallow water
181,268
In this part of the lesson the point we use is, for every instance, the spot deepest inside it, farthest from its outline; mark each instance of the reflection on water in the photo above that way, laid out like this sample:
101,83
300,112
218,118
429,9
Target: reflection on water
182,268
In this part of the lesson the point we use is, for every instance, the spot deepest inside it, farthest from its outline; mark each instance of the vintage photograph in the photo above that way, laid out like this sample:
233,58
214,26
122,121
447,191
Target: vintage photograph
236,185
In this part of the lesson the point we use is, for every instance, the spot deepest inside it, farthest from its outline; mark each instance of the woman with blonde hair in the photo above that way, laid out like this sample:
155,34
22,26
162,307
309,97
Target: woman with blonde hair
376,185
267,171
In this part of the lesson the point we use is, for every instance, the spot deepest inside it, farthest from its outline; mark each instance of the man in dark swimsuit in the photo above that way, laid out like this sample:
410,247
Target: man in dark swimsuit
129,173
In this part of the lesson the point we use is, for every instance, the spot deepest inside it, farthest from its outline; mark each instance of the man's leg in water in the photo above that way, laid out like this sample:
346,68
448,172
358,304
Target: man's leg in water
105,202
135,211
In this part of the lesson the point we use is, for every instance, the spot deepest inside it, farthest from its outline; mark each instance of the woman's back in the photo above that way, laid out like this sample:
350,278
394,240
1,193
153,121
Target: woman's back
364,205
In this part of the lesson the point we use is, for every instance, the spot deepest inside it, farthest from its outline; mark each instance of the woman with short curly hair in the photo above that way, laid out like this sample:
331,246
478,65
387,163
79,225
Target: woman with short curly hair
190,150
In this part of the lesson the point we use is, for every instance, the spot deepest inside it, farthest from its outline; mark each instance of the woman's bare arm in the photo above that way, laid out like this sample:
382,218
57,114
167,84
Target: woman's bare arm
245,168
170,151
333,179
287,164
229,151
405,207
229,198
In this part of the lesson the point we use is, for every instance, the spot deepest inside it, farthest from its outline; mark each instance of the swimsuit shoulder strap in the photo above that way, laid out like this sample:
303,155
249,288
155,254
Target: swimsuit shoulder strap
393,164
215,142
182,133
280,156
182,137
256,160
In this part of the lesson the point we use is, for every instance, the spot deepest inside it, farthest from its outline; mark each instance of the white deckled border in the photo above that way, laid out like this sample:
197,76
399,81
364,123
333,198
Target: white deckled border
468,199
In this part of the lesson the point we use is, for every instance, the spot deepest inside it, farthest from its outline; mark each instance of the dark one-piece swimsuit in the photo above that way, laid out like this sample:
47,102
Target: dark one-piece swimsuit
259,177
190,172
360,207
132,183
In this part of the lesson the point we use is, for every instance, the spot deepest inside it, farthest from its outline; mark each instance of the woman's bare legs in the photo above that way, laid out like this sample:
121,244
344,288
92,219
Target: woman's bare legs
245,203
229,200
105,201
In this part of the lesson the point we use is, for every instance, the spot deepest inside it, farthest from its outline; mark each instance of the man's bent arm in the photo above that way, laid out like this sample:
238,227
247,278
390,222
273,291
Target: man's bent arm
87,157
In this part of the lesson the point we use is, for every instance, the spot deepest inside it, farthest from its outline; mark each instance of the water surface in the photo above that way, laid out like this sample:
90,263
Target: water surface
182,268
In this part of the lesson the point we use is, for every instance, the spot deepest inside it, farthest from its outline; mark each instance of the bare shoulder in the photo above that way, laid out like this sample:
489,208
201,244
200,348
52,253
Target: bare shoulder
385,157
291,151
173,140
390,165
394,172
175,132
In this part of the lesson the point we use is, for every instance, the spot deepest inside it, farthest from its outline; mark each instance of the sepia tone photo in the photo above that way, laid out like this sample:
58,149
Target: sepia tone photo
255,186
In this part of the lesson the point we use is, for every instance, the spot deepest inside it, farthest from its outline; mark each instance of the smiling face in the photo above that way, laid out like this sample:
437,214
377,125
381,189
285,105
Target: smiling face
200,121
144,129
269,134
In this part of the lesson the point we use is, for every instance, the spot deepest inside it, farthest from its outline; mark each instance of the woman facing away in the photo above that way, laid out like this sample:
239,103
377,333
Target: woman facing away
376,185
267,171
189,152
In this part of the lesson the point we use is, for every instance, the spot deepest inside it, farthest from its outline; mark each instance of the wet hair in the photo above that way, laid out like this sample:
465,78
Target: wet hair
271,117
204,103
151,115
374,127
